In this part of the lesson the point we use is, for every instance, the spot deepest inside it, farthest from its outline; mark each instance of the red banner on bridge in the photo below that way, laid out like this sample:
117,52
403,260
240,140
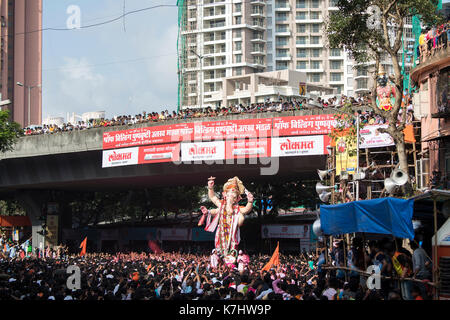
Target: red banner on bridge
303,125
159,153
233,129
149,135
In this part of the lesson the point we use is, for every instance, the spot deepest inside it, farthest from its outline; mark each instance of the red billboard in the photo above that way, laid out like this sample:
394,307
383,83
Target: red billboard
149,135
159,153
244,148
303,125
232,129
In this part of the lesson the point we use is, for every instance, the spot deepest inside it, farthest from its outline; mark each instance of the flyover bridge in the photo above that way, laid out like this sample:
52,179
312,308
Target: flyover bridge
76,160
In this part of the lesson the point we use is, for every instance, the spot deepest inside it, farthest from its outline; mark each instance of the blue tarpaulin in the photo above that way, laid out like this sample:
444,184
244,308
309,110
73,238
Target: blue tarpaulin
389,216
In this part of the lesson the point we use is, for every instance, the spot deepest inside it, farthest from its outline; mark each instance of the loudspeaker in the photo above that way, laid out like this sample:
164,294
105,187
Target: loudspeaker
399,177
320,188
390,185
325,196
316,228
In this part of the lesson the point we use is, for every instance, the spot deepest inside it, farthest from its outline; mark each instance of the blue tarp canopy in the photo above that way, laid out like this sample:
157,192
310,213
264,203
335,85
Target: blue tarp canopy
390,216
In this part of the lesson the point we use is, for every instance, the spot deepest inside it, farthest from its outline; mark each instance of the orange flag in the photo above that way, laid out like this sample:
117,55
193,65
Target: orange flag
275,260
83,246
409,134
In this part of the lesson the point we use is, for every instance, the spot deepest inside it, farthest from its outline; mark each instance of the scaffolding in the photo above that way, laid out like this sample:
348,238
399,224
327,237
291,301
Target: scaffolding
181,49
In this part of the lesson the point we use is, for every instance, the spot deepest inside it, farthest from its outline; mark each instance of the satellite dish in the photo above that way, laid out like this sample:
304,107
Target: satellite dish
399,177
317,228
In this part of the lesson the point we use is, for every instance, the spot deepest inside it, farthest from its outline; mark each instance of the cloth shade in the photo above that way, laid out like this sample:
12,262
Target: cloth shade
390,216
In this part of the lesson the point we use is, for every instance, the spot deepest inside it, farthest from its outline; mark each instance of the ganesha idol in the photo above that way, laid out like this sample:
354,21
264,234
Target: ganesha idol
227,218
385,91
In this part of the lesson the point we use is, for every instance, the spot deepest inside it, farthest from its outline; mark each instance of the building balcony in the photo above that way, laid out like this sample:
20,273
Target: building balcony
361,76
286,8
258,40
281,33
259,2
284,57
258,52
257,14
308,45
281,44
341,57
306,21
215,16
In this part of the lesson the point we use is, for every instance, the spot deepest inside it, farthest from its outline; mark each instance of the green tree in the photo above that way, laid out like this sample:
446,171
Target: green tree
367,37
9,131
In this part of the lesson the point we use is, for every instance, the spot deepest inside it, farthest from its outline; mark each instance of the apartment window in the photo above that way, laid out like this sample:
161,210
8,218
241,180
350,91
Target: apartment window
238,45
282,41
301,40
238,20
336,76
281,28
301,4
301,16
269,45
349,69
361,83
335,52
301,28
315,27
238,33
333,3
301,65
237,7
315,77
315,40
301,53
315,64
238,58
335,64
314,3
338,89
281,16
315,53
282,52
282,65
238,71
315,15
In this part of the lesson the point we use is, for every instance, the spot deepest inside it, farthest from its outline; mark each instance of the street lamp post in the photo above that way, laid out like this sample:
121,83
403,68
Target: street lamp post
20,84
200,57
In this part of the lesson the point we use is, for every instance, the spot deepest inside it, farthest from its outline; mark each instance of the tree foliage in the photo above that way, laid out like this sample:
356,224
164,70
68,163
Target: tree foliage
9,131
349,28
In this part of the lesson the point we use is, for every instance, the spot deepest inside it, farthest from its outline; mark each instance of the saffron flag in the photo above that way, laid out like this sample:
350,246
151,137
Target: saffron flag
409,134
83,246
275,260
154,247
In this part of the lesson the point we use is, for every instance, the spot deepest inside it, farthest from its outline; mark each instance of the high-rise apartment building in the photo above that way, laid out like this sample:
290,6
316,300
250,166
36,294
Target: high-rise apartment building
21,59
223,38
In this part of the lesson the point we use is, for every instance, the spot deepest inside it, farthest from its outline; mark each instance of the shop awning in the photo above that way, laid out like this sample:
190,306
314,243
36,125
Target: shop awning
390,216
15,221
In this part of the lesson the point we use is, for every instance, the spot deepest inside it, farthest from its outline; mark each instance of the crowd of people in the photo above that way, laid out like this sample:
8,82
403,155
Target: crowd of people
188,276
145,117
433,40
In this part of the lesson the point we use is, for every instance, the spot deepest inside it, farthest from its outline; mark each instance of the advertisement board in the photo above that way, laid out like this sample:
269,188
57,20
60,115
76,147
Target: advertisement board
173,234
370,137
203,151
159,153
247,148
120,157
299,146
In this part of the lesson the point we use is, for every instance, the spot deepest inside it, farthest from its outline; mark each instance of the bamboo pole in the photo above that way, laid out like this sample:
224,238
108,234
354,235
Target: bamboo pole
435,263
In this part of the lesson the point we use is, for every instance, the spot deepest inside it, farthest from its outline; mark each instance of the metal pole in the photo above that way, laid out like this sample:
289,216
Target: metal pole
357,157
29,106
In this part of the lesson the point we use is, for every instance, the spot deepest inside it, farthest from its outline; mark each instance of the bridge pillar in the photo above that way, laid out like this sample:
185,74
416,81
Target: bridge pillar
32,202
